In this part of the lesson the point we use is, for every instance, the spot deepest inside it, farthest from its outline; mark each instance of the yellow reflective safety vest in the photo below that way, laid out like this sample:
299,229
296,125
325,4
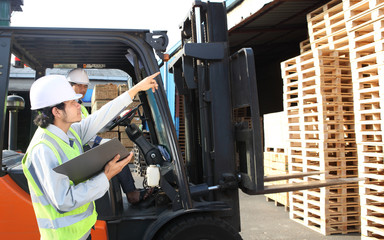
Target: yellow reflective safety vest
84,111
55,224
84,114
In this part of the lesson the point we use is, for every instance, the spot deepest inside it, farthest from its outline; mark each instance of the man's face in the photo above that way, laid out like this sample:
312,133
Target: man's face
80,89
72,111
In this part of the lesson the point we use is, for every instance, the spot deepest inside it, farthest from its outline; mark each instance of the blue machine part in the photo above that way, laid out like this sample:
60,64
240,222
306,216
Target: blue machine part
88,96
170,89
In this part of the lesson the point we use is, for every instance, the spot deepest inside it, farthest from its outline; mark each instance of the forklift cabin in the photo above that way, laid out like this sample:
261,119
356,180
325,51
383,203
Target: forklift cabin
198,194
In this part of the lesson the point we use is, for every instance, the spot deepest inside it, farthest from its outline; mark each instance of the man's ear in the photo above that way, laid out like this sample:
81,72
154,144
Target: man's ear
56,112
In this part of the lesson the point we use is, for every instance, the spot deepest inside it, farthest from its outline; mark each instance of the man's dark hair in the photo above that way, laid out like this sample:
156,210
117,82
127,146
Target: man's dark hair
45,117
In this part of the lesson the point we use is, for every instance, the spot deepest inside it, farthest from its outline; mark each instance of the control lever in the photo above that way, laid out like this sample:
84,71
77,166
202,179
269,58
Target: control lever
151,153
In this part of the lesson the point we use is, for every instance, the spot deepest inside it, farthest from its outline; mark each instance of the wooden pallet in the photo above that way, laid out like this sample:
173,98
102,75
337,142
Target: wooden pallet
341,216
325,11
370,61
365,45
305,46
359,6
280,199
372,221
326,27
317,19
338,40
276,162
367,39
363,14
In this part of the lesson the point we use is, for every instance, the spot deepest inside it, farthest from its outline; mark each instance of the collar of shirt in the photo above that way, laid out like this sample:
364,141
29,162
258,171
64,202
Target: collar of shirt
58,132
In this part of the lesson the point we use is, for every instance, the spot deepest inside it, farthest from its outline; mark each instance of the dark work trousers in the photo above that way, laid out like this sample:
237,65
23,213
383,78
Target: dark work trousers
126,180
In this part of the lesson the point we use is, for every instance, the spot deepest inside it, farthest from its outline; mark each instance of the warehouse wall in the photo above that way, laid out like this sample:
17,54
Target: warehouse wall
269,81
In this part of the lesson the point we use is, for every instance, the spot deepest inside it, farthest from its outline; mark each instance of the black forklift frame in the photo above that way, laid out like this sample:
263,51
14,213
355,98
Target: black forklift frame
53,49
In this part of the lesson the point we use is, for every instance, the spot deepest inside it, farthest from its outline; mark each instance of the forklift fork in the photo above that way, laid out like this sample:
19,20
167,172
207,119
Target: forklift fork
290,187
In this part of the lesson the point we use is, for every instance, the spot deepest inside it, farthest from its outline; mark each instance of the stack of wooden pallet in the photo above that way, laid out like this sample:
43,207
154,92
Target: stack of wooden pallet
318,102
101,95
326,27
123,137
276,163
365,26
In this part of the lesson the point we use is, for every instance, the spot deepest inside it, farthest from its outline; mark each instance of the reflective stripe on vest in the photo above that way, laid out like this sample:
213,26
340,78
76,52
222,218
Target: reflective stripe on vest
84,112
55,224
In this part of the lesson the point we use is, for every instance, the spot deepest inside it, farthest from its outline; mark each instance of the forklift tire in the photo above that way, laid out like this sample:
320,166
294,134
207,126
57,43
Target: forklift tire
197,227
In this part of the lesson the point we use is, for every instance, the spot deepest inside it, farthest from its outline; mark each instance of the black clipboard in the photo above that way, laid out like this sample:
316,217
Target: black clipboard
92,162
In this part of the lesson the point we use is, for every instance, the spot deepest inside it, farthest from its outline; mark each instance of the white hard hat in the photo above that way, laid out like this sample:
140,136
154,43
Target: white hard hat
51,90
78,76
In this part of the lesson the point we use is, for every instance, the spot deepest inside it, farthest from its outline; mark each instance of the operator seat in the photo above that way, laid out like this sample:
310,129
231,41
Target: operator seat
12,165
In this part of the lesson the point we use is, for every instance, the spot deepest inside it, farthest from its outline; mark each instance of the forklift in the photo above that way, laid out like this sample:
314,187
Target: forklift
198,192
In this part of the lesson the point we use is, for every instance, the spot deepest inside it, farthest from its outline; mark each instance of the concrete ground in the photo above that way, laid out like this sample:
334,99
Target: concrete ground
261,220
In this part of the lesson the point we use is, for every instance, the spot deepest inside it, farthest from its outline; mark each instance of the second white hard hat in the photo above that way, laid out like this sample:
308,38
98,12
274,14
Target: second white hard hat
78,76
51,90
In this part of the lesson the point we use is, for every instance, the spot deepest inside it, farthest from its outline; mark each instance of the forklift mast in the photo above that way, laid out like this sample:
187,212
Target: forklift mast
222,119
202,75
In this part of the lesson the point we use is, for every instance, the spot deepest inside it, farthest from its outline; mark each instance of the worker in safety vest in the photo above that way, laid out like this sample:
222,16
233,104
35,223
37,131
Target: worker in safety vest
79,80
64,210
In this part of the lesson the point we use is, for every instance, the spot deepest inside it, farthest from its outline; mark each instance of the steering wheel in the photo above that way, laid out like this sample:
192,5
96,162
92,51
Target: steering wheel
126,118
